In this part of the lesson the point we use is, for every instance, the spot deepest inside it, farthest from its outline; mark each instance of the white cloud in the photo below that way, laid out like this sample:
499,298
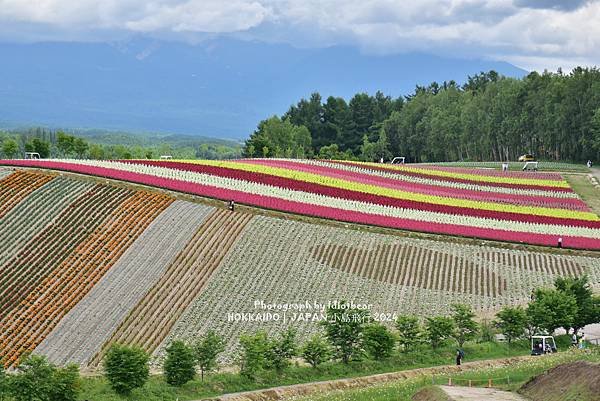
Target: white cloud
525,32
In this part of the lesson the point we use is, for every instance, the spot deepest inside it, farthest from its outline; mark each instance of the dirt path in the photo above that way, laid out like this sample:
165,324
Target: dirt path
479,394
286,392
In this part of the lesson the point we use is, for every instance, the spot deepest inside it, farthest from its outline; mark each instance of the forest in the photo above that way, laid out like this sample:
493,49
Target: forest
555,116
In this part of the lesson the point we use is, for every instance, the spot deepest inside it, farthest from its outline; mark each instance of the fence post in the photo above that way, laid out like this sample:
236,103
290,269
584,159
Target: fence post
433,379
489,383
470,383
449,381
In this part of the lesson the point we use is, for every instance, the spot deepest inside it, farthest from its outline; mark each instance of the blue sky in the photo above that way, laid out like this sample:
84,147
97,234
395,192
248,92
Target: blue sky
532,34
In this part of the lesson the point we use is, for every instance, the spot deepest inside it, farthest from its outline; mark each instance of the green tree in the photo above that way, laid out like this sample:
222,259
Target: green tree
410,332
551,309
80,147
250,151
97,152
281,350
316,351
465,328
579,288
66,384
378,341
10,148
34,379
126,368
65,143
254,349
344,330
207,351
511,321
438,329
40,146
180,364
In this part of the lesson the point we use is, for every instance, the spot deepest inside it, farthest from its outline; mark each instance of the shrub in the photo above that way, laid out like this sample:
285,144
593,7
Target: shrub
343,328
465,328
316,351
410,332
378,341
66,384
281,350
254,349
207,351
511,321
33,380
438,330
180,364
126,368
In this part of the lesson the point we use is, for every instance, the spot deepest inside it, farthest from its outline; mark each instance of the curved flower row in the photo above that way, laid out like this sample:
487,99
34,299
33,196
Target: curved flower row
399,193
507,182
289,200
483,187
340,193
544,200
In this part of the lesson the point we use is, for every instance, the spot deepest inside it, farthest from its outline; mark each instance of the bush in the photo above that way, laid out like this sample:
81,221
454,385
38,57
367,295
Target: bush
281,350
378,341
465,328
207,351
316,351
438,329
37,379
180,364
511,321
126,368
410,332
343,328
254,349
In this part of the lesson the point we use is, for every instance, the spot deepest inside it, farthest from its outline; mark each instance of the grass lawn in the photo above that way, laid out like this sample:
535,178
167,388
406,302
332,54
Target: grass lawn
581,185
97,389
517,166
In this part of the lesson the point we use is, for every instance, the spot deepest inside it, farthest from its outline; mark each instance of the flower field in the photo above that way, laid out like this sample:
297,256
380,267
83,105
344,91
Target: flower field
85,264
529,207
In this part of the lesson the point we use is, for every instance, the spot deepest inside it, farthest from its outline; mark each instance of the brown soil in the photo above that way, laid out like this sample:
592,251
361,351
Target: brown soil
431,394
576,381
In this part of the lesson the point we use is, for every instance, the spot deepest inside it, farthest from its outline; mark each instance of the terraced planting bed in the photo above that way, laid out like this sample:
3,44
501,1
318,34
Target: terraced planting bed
528,207
289,263
85,328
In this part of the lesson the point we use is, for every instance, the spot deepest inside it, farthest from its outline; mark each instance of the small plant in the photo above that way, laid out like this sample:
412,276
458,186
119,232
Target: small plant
281,350
438,330
126,368
511,321
254,349
465,327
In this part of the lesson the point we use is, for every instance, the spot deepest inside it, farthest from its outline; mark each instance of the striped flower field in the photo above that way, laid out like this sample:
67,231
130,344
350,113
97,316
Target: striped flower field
528,207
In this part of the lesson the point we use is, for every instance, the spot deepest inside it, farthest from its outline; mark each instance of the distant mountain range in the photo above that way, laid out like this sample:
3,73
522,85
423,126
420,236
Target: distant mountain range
219,88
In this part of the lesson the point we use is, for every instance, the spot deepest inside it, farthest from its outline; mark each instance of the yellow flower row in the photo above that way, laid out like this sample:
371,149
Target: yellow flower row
396,193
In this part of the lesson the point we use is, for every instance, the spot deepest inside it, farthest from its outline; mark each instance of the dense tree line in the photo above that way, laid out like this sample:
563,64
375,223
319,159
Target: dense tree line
555,116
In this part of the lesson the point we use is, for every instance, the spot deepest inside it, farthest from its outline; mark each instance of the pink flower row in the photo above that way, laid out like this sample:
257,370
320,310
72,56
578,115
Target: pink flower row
313,210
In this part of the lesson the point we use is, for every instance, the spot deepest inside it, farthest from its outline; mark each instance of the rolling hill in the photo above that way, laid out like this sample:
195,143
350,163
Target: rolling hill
87,260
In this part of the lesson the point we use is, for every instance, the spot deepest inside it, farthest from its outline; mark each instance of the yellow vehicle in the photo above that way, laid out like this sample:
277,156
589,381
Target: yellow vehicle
527,158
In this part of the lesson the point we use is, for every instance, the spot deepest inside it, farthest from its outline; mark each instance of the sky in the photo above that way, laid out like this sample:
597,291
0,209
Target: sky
531,34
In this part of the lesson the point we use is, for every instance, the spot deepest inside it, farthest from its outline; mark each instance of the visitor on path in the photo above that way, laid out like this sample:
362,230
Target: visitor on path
589,164
459,356
574,339
231,205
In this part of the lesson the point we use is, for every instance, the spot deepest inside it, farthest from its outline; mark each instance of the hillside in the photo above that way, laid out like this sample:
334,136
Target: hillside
576,381
85,262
